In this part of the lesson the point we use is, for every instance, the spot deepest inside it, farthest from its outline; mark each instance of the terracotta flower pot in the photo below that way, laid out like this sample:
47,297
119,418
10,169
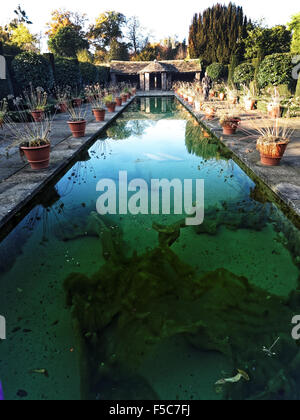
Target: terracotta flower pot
271,156
111,107
119,101
210,114
134,91
63,107
230,126
38,157
38,116
99,114
128,96
191,100
212,94
77,128
124,99
222,96
250,104
77,102
275,111
198,106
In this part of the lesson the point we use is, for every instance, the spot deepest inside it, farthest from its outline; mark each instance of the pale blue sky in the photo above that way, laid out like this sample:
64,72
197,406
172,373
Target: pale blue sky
163,17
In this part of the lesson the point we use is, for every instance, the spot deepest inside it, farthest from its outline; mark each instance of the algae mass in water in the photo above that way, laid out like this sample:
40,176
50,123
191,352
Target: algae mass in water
131,305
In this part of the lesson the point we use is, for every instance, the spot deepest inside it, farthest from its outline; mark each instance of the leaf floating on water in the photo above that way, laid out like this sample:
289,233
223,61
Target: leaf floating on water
241,375
40,372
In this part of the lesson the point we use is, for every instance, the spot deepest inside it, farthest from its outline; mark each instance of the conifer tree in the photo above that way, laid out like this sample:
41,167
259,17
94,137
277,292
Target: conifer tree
217,33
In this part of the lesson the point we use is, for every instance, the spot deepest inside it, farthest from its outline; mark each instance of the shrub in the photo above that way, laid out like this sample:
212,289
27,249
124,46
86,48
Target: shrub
67,72
104,73
297,94
30,67
276,69
89,73
67,42
4,89
234,62
244,74
217,71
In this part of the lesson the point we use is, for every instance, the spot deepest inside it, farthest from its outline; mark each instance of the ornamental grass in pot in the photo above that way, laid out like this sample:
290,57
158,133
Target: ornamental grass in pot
33,140
272,142
199,101
77,98
95,95
274,104
232,95
36,101
77,120
118,100
210,112
221,89
110,103
63,96
229,121
124,97
249,98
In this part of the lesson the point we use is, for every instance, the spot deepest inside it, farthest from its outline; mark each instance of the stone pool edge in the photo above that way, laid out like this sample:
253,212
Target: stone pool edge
264,174
24,185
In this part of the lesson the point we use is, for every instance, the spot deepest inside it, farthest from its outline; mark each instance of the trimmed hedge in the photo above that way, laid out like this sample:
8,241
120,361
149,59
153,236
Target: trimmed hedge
4,89
67,72
104,74
297,93
89,73
244,74
276,69
217,71
31,68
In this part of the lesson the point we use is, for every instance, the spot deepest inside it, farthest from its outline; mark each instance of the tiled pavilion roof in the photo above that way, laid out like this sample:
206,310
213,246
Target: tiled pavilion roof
138,67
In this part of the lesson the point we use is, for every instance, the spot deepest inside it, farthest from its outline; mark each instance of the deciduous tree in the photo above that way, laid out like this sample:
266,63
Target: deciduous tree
67,42
262,41
62,18
108,27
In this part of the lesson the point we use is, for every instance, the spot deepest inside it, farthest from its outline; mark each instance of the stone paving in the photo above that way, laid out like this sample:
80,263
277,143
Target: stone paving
283,180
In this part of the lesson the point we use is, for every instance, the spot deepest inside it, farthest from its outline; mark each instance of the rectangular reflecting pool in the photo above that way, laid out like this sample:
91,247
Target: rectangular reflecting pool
141,307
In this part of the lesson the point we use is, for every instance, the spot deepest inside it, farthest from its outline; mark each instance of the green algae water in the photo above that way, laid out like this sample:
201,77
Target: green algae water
141,307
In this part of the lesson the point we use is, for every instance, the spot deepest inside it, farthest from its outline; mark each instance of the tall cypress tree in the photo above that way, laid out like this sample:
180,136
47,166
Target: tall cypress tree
215,35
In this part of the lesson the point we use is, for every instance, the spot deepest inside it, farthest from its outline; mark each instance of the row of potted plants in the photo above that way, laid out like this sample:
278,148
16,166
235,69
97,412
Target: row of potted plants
275,104
272,137
33,138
